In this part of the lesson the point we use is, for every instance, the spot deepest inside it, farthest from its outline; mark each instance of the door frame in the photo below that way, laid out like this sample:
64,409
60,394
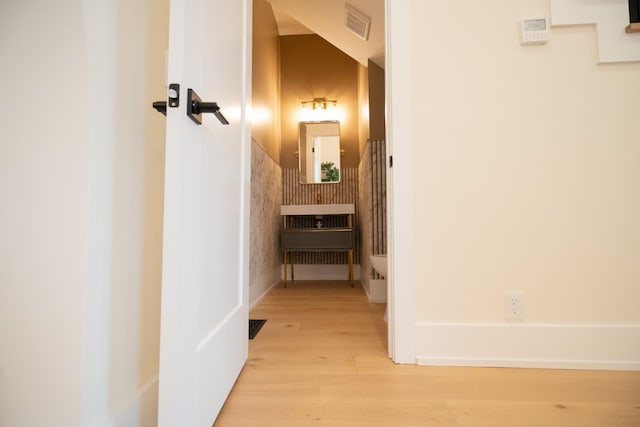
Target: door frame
399,128
399,145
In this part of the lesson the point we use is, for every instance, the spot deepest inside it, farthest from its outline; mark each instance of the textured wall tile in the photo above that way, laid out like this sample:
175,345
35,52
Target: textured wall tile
266,198
373,205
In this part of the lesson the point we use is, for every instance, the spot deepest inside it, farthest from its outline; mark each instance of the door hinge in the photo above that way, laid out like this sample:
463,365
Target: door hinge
390,161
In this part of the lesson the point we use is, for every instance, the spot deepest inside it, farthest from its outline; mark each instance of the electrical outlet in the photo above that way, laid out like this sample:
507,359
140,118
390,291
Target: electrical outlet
513,305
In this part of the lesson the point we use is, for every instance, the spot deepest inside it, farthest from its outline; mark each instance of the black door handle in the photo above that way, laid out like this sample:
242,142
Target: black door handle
195,108
174,99
161,106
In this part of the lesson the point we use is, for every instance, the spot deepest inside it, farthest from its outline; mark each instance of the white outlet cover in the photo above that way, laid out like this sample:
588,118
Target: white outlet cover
513,305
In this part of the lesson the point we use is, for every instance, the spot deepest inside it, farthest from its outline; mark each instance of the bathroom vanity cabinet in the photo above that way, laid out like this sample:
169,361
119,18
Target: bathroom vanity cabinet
317,228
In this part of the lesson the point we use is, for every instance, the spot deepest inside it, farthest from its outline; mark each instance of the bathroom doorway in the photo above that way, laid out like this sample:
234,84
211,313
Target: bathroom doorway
276,155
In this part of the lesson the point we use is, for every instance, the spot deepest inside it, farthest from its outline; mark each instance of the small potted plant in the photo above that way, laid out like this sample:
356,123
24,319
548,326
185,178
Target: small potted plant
329,172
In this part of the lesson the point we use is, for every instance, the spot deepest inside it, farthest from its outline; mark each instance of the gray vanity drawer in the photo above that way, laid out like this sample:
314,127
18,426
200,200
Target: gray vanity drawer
317,239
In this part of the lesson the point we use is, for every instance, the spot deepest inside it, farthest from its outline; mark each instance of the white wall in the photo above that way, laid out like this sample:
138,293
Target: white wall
81,187
126,43
526,178
43,220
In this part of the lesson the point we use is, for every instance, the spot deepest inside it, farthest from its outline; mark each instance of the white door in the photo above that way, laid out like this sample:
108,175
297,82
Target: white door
203,341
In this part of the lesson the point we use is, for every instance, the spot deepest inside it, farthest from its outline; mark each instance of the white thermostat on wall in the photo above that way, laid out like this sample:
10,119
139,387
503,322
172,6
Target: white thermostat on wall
534,31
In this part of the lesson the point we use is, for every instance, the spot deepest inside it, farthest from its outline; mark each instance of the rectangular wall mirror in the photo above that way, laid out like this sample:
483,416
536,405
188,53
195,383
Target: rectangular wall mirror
319,152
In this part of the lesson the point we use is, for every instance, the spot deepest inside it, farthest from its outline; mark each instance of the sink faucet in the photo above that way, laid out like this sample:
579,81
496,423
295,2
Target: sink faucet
319,198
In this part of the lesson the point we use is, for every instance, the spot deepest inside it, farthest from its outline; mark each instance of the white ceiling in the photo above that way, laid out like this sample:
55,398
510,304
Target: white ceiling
287,25
326,18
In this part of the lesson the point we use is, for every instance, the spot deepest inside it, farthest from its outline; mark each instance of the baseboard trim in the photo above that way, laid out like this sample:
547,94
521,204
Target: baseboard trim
262,295
557,346
597,365
141,410
323,272
377,292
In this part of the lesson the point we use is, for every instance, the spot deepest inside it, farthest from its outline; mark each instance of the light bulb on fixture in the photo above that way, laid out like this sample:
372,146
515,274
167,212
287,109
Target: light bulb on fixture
319,104
319,109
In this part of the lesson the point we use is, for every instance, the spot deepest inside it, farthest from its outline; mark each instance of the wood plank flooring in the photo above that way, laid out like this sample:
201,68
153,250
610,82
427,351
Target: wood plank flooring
321,360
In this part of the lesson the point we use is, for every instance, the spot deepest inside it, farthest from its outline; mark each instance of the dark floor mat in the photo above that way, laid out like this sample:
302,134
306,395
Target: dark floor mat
254,327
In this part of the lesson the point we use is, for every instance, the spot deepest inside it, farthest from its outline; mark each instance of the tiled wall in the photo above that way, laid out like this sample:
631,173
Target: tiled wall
373,205
346,191
266,198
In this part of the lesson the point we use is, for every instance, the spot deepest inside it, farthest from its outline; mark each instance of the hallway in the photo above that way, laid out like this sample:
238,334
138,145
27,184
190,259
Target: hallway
321,360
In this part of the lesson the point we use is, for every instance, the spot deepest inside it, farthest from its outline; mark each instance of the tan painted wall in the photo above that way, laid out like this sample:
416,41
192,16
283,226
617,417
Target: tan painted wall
376,101
363,107
310,67
265,128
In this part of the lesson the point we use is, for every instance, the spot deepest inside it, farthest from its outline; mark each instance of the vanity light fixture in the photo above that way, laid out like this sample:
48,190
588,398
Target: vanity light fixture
319,104
320,109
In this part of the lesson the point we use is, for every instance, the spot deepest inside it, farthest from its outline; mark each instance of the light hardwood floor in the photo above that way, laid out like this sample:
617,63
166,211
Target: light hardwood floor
321,360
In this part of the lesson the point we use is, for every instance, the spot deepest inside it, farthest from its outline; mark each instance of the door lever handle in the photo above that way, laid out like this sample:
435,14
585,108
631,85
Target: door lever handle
195,108
174,99
161,107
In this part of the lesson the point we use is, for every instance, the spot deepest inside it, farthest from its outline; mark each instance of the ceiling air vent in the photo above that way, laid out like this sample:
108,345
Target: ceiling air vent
357,22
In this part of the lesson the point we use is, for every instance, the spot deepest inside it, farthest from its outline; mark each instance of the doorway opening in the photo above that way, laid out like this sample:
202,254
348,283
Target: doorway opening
276,34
